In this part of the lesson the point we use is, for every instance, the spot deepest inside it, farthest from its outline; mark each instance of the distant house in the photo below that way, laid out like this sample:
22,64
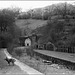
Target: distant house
28,42
25,41
31,40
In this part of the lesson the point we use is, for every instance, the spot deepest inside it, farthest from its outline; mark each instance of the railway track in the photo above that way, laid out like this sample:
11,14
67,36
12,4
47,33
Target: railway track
65,59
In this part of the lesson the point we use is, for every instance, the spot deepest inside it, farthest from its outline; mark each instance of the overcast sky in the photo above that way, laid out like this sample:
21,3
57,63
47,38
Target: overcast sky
26,5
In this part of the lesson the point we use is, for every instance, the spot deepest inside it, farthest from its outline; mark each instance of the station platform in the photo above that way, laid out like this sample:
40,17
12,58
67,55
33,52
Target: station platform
60,55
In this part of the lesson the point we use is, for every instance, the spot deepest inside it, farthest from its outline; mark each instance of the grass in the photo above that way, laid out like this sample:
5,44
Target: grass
28,26
31,23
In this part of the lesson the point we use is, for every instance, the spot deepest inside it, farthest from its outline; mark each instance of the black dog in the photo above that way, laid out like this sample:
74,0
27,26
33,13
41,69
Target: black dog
10,60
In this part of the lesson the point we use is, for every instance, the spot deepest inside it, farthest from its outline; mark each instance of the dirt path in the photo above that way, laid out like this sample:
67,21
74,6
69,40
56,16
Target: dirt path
15,71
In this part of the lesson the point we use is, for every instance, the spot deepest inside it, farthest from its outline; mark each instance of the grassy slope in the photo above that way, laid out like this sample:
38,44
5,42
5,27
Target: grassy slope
30,24
33,26
44,30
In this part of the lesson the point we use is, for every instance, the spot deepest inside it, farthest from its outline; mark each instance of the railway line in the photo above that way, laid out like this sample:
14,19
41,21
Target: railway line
67,59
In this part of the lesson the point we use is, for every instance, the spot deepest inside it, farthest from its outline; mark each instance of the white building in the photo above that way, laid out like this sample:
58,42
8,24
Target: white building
28,42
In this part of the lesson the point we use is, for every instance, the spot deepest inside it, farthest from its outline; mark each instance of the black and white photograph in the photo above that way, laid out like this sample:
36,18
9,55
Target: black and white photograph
37,37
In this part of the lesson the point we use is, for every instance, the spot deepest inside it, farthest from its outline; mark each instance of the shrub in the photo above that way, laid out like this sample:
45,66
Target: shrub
30,52
19,52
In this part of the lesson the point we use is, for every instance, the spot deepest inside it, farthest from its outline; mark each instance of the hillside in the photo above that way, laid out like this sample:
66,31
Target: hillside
36,18
28,25
49,11
61,33
57,25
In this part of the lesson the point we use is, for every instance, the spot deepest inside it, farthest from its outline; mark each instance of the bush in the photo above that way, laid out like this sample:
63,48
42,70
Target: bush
30,52
24,16
19,52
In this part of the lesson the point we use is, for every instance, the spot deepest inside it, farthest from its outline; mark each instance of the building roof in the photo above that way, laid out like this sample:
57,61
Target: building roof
27,36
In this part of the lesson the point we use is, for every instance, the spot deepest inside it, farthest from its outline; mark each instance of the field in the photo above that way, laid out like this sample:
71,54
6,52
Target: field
31,23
